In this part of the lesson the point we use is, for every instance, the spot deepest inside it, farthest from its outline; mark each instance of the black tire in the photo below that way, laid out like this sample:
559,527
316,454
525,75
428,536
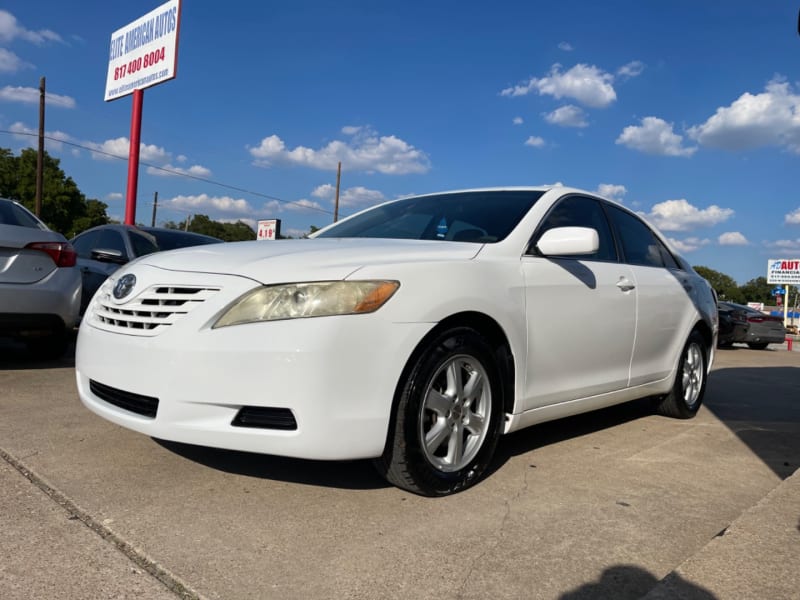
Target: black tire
684,399
758,345
425,405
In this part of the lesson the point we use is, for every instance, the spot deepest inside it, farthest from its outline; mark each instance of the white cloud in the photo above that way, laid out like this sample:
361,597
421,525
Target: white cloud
10,29
679,215
654,136
29,95
632,69
518,121
609,190
771,118
30,136
733,238
566,47
689,244
114,196
534,141
120,146
587,84
788,245
351,129
365,152
567,116
203,203
11,63
354,197
169,170
793,218
304,205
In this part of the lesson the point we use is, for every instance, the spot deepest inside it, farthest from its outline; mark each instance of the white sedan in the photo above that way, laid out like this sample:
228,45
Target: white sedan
415,333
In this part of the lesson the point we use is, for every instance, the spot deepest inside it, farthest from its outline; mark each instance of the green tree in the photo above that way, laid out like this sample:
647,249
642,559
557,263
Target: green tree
230,232
758,290
64,207
726,286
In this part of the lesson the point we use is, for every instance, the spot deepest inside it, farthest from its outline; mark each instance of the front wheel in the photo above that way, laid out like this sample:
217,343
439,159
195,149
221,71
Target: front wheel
447,418
684,399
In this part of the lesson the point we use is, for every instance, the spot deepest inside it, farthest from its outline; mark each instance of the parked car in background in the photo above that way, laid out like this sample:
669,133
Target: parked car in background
104,249
40,284
415,333
749,326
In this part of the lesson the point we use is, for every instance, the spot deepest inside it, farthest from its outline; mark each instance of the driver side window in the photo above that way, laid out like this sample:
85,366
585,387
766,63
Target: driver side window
579,211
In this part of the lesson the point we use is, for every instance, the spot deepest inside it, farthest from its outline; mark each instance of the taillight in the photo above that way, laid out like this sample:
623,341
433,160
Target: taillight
62,253
755,319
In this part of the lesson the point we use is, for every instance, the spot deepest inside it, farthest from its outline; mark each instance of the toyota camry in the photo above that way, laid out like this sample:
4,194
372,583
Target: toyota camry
415,333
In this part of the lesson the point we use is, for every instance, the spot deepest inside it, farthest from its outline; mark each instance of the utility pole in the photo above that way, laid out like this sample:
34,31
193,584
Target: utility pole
338,181
155,206
186,227
40,155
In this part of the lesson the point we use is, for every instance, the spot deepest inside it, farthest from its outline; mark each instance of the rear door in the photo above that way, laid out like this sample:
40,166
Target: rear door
664,308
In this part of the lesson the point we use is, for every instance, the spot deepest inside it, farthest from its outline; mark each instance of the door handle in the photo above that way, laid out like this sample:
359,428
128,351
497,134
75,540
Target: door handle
625,284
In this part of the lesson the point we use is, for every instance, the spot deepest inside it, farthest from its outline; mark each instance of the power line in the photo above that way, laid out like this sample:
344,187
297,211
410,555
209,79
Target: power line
173,172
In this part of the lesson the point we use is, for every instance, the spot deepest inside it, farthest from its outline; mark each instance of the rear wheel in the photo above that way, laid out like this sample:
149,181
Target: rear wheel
448,416
684,399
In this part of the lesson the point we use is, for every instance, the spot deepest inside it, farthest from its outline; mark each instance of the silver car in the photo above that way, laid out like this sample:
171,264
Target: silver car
40,284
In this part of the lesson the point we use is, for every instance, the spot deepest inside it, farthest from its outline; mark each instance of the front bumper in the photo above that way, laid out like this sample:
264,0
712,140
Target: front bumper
337,375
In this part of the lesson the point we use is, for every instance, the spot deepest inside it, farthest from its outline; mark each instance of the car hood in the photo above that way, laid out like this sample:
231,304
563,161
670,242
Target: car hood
306,260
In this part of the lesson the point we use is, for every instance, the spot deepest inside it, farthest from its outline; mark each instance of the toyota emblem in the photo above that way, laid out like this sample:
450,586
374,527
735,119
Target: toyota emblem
124,286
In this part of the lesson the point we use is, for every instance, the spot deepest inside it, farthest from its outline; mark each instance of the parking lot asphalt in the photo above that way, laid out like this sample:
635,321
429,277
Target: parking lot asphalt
615,504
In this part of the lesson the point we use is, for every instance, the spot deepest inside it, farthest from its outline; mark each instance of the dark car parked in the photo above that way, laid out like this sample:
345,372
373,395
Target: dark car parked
104,249
742,324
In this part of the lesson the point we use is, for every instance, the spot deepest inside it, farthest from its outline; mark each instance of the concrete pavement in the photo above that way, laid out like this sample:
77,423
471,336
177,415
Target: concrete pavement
618,504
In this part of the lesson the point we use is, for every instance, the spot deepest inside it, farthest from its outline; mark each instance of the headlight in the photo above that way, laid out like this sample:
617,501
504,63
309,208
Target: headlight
300,300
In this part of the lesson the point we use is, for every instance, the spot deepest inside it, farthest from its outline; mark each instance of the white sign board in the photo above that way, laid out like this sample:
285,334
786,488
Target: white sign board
145,52
783,270
268,229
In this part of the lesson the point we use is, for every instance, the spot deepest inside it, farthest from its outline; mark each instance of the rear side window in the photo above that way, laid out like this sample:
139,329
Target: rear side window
579,211
640,245
11,214
142,244
85,243
112,240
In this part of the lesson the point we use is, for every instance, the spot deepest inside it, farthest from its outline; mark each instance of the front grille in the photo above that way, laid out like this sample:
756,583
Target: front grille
265,417
146,406
149,313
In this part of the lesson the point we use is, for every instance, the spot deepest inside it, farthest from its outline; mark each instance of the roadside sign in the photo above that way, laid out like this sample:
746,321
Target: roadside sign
268,229
144,52
783,270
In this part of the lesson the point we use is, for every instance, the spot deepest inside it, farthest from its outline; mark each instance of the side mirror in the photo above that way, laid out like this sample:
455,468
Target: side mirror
568,241
109,255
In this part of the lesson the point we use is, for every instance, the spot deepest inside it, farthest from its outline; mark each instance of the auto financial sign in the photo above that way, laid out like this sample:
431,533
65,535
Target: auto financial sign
783,270
145,52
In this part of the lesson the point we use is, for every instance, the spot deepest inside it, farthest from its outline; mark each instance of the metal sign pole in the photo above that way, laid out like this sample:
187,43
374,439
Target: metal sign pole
133,157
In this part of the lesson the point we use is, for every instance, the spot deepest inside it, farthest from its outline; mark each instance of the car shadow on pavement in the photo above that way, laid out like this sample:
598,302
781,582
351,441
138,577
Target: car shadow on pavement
16,356
623,582
352,475
768,423
554,432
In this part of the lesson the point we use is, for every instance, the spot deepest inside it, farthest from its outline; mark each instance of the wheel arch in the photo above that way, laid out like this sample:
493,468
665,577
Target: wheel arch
495,335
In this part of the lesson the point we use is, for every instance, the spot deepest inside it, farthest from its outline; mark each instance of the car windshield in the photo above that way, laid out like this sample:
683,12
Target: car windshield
170,240
480,217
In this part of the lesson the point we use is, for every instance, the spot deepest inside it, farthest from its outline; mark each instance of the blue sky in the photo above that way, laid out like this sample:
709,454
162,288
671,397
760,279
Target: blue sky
685,111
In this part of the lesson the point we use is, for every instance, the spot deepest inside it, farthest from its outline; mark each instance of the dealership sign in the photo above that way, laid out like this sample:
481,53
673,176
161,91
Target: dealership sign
782,270
145,52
